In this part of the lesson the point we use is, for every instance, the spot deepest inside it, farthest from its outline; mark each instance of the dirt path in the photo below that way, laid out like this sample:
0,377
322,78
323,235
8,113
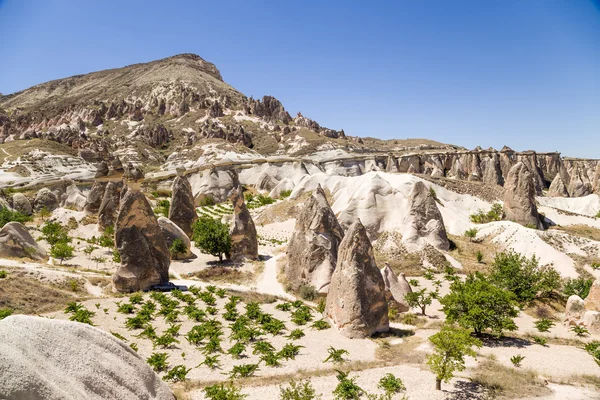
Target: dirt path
268,283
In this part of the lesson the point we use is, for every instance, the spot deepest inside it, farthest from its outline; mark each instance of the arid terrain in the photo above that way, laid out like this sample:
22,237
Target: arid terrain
306,255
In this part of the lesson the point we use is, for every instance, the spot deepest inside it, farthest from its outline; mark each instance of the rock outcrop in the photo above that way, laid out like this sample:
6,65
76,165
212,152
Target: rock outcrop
101,169
145,257
558,187
21,203
42,358
94,198
244,242
182,211
592,301
109,208
73,199
356,302
574,310
519,197
170,232
313,247
215,185
45,198
395,288
16,241
424,223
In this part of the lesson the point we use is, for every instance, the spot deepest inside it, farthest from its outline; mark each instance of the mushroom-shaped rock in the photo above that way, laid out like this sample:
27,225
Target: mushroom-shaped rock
171,232
133,173
574,310
424,223
392,164
45,198
356,299
244,243
42,358
109,208
101,169
94,197
558,187
21,203
182,211
519,197
145,257
592,301
313,248
395,288
16,241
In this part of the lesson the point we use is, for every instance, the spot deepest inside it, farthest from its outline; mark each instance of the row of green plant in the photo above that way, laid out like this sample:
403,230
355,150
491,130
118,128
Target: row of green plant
496,213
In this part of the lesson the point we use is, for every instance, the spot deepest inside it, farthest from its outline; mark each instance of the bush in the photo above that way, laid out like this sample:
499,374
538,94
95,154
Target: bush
62,251
308,292
598,215
53,232
580,330
5,312
336,355
478,304
420,298
7,216
540,340
543,325
162,208
222,391
577,286
212,237
243,370
298,391
3,274
471,233
593,348
347,389
158,361
516,360
524,277
177,248
177,374
479,256
285,194
391,385
451,345
496,213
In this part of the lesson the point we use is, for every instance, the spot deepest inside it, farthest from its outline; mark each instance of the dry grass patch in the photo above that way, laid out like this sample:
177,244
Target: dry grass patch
29,296
466,253
583,231
508,382
403,353
224,274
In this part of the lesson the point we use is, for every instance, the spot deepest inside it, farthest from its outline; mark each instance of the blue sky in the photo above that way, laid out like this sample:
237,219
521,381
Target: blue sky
525,73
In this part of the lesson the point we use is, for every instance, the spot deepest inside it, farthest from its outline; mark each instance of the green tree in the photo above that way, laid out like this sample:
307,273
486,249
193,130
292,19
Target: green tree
471,234
523,276
420,298
177,248
578,286
212,237
61,250
478,304
53,232
451,345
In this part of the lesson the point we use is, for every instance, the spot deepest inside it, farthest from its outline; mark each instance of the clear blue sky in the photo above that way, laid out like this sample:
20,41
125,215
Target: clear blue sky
525,73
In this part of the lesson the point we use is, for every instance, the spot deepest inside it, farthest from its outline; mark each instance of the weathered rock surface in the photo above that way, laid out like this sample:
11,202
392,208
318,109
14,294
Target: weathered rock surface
170,232
244,243
313,247
51,359
109,208
145,257
283,186
21,203
574,310
558,187
214,184
592,301
396,288
579,185
73,198
101,169
519,197
424,223
16,241
591,319
182,211
94,197
46,199
356,301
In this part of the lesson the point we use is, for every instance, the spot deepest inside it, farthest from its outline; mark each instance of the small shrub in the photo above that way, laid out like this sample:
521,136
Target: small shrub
62,251
237,349
298,391
158,361
321,305
296,334
211,362
391,385
3,274
243,370
516,360
284,306
271,359
125,308
540,340
580,330
471,233
308,292
593,348
83,315
134,347
320,325
177,374
577,286
544,324
289,351
165,341
286,193
479,256
136,298
302,315
347,389
5,312
336,355
177,248
223,391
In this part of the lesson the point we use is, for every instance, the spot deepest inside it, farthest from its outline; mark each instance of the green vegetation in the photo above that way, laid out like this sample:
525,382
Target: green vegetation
516,360
347,389
479,256
298,391
544,324
162,208
212,237
53,232
336,355
471,233
177,374
177,248
320,325
308,292
286,193
593,348
223,391
496,213
580,330
420,298
478,304
158,361
3,274
5,312
540,340
451,345
243,370
391,386
577,286
62,251
7,216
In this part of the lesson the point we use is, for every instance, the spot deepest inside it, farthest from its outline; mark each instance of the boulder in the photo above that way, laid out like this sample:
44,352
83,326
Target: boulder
313,247
244,243
109,208
424,223
558,187
284,185
592,301
216,185
519,197
182,211
395,288
145,257
21,203
133,173
16,241
51,359
73,198
356,302
591,319
170,232
94,198
574,310
45,198
101,169
266,181
391,164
